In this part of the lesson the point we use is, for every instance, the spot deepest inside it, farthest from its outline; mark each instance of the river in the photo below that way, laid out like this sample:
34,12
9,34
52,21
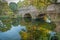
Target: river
10,28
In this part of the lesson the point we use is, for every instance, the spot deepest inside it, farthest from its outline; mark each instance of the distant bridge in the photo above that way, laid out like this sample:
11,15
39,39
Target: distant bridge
52,10
30,10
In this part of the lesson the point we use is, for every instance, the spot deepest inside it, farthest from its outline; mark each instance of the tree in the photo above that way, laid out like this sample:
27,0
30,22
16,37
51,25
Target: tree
4,8
23,3
20,4
0,8
13,7
40,4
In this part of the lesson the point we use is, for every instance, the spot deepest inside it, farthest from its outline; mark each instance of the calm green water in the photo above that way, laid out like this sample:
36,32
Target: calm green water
10,28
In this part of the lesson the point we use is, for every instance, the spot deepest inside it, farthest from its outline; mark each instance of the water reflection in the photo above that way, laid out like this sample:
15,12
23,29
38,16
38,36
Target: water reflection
12,28
12,34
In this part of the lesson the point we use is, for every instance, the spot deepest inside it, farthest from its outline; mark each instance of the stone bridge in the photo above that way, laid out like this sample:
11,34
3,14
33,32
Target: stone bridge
31,11
28,11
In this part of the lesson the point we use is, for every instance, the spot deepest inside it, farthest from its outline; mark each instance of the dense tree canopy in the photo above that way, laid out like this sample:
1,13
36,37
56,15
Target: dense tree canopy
37,3
13,6
4,8
23,3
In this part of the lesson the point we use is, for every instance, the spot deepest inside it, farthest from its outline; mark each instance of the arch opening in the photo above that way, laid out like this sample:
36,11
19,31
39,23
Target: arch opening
40,17
27,17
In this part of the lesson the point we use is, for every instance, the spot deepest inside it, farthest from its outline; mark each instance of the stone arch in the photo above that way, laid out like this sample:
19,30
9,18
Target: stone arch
40,17
27,17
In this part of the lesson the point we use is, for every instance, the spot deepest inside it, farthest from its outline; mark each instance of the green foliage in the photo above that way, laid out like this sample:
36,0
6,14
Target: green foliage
37,3
6,25
23,3
37,30
4,8
20,4
13,6
42,3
